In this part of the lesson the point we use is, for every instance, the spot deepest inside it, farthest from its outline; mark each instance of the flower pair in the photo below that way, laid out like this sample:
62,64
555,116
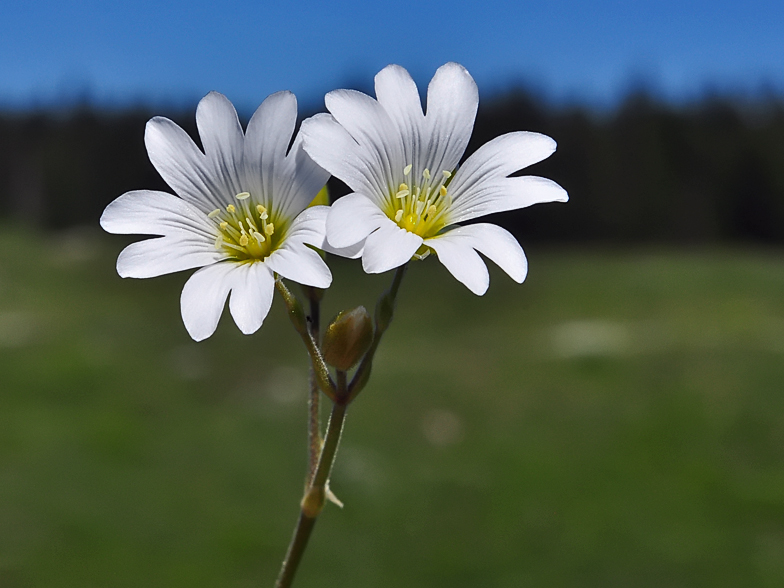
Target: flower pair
241,212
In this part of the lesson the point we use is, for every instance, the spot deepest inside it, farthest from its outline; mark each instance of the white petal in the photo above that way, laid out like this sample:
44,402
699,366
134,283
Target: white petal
300,263
370,126
398,94
221,136
306,179
351,219
462,262
452,100
351,252
145,212
203,298
495,160
180,163
496,243
268,174
331,146
309,226
251,295
389,247
166,255
504,194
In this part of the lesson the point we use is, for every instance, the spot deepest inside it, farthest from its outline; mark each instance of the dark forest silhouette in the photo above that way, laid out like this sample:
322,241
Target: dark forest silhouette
648,171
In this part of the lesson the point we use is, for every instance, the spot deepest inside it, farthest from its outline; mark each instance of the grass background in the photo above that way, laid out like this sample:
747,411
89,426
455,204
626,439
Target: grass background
617,420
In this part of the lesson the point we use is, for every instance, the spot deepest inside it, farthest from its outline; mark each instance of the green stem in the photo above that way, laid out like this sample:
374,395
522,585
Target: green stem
298,319
385,308
314,420
314,499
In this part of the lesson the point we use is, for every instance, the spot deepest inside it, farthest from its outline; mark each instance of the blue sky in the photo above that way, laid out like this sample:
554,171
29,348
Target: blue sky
173,52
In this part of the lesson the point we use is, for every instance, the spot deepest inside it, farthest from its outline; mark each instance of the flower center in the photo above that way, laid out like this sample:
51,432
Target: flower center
245,231
420,207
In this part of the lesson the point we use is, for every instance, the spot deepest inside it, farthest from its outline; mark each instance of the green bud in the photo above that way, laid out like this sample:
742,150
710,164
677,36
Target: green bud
348,338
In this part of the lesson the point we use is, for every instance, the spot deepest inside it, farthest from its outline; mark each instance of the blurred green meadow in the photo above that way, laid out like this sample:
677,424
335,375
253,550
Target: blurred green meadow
617,420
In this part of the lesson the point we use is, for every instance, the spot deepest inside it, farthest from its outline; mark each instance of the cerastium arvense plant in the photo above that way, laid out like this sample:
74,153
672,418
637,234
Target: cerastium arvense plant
246,213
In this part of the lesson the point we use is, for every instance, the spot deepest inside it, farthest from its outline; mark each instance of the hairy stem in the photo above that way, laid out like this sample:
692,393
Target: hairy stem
299,320
315,496
314,419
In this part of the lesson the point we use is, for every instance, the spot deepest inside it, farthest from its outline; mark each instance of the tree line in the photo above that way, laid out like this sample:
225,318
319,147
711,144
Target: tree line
647,171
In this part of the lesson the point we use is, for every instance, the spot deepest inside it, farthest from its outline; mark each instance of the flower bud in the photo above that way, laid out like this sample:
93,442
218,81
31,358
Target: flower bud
348,338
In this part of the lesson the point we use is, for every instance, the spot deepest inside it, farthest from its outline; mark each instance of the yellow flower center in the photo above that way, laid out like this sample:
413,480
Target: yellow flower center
245,231
419,207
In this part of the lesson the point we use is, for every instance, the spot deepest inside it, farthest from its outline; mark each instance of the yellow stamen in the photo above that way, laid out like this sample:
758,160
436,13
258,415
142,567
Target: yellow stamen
398,215
402,187
442,191
223,225
426,174
244,240
231,209
260,209
431,210
269,229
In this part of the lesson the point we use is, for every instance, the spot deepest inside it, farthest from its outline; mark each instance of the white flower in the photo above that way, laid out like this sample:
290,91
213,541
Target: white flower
408,193
238,213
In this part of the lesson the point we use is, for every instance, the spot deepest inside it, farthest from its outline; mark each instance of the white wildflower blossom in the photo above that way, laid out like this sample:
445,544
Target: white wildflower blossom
240,213
409,195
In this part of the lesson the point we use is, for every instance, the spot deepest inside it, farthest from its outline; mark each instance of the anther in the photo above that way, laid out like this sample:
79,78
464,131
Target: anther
214,213
223,225
402,187
218,241
442,191
244,240
431,210
447,174
398,215
402,193
260,209
269,229
407,169
231,209
243,196
426,174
